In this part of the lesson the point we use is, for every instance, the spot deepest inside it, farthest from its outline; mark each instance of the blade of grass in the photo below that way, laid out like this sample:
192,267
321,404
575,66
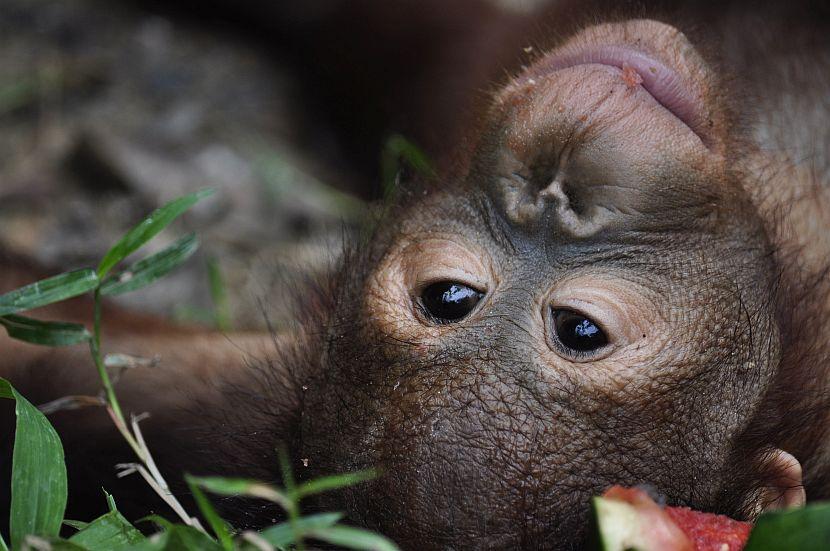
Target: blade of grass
328,483
76,524
148,228
216,522
48,291
353,538
46,333
109,531
38,494
177,537
219,295
281,535
146,271
396,151
242,487
290,490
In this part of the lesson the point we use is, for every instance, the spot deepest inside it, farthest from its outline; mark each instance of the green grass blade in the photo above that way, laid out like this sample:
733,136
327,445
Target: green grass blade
76,524
148,228
209,512
804,529
157,542
282,535
178,538
353,538
39,489
242,487
48,291
329,483
158,520
109,531
219,295
146,271
52,544
110,501
47,333
396,151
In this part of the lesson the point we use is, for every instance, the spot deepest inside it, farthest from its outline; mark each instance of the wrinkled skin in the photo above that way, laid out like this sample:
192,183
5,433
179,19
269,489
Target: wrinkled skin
669,216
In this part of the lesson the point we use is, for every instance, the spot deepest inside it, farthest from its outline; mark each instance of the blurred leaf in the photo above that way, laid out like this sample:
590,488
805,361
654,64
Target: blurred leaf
242,487
328,483
353,538
209,512
804,529
285,182
109,531
18,94
219,295
148,228
48,333
282,535
38,484
146,271
48,291
399,150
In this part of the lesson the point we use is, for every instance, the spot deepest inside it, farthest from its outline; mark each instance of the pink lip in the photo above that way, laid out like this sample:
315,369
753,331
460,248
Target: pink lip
667,87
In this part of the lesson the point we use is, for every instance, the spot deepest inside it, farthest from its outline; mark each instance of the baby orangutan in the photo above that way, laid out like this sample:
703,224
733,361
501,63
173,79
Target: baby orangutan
619,280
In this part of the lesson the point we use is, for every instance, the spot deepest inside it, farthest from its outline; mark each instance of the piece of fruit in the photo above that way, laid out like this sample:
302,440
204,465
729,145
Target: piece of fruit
628,519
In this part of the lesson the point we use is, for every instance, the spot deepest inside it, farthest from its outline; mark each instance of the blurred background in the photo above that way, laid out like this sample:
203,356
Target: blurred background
288,109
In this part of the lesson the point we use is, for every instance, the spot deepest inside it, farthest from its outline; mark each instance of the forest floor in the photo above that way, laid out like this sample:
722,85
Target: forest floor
108,111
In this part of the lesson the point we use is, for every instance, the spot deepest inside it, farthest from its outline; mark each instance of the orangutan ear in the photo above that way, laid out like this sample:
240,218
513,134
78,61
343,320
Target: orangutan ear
784,487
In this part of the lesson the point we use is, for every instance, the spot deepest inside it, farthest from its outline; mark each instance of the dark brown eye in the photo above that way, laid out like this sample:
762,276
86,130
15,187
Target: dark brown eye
449,301
577,334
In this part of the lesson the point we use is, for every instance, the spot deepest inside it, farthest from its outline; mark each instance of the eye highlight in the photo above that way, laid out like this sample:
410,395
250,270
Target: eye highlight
577,335
448,301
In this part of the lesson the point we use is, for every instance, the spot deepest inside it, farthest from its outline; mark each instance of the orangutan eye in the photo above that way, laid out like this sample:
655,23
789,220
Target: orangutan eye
577,334
449,301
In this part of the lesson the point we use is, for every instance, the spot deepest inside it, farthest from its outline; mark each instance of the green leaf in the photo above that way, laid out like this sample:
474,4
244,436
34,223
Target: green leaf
146,271
209,512
242,487
53,544
282,535
397,150
76,524
48,291
353,538
48,333
328,483
147,229
39,489
178,537
109,531
158,520
804,529
219,295
110,500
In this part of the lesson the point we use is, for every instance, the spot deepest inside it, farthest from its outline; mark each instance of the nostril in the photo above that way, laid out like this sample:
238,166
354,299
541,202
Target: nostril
575,202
